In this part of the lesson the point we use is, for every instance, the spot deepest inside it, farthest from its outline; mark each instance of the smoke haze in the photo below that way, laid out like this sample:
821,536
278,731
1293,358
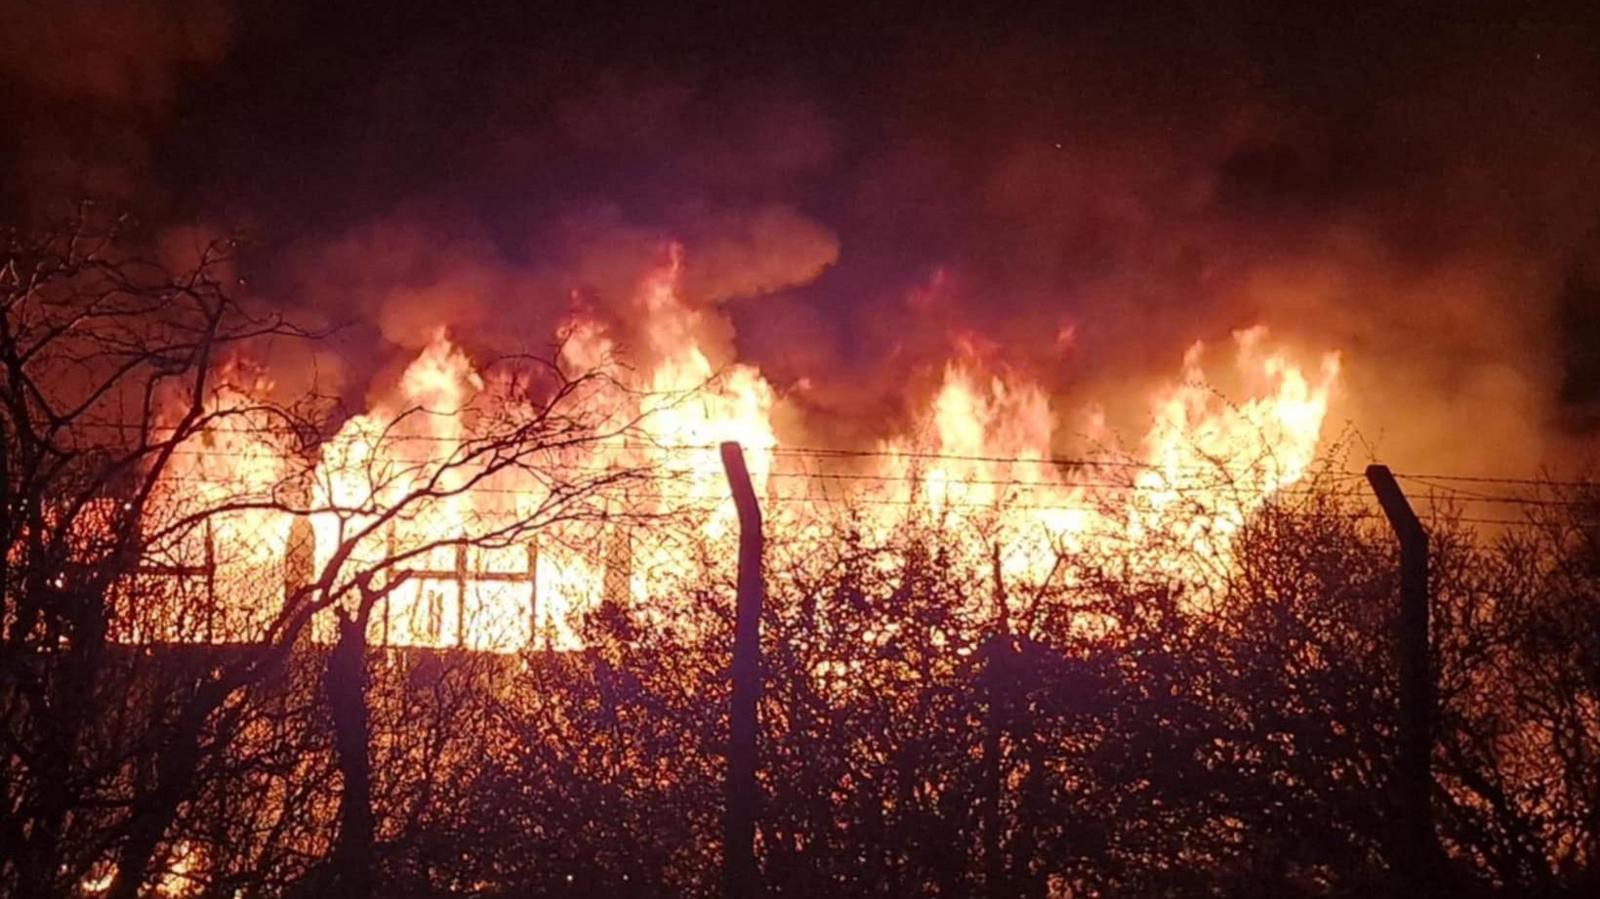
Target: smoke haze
1073,197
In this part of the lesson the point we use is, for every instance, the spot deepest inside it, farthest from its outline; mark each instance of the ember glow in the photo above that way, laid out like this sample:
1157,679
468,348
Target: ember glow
982,455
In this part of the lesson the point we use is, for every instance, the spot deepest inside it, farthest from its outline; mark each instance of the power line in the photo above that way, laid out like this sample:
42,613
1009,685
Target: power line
1226,487
1220,466
1497,479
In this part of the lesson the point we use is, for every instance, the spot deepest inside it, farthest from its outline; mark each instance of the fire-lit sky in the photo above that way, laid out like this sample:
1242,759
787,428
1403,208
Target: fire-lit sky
1075,195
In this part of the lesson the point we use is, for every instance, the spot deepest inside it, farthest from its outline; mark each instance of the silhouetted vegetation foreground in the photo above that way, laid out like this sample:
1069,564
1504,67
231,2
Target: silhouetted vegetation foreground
1105,738
930,725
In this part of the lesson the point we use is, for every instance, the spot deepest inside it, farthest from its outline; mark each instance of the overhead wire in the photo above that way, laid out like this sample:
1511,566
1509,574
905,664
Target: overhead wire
1446,491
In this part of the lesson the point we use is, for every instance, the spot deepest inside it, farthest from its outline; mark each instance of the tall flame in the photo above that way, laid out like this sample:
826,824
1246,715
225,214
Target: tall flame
981,455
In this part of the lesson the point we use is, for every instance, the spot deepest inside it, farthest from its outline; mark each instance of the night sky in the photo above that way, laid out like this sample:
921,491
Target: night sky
1075,193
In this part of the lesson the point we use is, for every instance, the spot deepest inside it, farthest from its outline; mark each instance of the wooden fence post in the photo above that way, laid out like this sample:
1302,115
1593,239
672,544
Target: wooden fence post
739,862
1414,845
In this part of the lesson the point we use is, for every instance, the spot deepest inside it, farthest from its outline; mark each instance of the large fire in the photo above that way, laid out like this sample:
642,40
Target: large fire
981,456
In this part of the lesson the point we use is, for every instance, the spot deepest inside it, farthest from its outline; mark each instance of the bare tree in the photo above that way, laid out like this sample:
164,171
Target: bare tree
107,361
114,371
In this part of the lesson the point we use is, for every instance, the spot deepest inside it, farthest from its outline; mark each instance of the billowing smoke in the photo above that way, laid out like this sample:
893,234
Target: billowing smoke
1075,200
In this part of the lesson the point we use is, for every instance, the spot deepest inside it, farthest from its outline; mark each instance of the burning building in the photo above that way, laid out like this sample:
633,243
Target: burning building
473,572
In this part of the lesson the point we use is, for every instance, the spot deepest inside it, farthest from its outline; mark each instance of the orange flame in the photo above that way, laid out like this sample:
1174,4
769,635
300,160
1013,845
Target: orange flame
982,457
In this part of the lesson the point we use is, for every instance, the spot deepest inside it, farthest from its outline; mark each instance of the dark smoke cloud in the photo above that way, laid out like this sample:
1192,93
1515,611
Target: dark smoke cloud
1074,195
111,52
88,81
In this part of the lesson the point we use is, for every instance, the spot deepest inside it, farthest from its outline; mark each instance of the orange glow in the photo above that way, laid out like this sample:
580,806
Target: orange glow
982,455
